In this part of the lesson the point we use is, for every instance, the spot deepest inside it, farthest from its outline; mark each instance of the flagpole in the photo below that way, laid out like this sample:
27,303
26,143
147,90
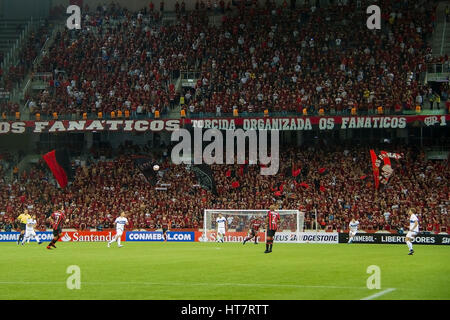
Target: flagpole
421,136
315,210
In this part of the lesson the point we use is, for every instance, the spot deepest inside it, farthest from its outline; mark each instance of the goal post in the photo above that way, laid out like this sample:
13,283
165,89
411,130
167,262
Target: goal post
239,222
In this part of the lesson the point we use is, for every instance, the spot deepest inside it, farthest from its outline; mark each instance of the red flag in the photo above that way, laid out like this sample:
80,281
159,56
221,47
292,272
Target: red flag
322,188
375,169
296,172
241,170
278,193
304,185
363,177
235,184
322,170
228,173
58,165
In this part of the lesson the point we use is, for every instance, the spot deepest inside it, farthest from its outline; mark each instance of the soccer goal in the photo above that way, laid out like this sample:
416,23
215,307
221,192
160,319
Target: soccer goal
239,222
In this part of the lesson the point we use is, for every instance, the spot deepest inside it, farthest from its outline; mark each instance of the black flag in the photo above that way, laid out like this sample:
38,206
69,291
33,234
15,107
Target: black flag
205,177
145,165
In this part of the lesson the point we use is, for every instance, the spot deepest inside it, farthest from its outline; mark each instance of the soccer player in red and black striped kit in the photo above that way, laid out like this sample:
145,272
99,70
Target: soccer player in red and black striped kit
253,232
272,222
57,219
165,224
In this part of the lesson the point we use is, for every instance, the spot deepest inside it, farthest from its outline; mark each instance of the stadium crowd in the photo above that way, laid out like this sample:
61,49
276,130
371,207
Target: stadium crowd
257,57
335,181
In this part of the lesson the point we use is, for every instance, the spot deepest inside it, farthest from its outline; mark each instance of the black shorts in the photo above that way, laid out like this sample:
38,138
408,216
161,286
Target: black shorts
253,232
22,226
165,230
271,233
57,232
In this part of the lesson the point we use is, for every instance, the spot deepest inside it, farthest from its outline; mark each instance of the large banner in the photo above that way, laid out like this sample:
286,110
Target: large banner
283,124
280,237
88,236
307,237
389,238
14,236
172,236
382,167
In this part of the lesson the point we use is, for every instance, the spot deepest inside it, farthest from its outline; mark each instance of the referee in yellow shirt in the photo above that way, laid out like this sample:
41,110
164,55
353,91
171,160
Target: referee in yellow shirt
23,224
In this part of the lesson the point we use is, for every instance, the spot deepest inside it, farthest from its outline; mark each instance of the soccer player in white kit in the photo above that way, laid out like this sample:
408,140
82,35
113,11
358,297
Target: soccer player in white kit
221,227
353,225
120,223
29,231
413,229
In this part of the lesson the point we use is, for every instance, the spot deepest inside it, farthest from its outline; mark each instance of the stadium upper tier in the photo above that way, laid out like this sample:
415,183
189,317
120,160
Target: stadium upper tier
251,59
344,187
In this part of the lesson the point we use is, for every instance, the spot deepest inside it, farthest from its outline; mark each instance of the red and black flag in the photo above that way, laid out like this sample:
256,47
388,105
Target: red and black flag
145,166
241,170
278,189
304,185
382,166
295,173
230,173
59,163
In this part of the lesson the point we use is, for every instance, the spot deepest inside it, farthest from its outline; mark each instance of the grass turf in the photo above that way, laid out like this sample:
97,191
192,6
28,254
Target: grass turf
189,271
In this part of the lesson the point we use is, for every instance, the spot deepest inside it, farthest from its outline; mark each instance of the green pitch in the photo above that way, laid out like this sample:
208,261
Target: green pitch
185,271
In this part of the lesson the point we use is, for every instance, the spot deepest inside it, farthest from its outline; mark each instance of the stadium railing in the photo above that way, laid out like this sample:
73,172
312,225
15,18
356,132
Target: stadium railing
208,115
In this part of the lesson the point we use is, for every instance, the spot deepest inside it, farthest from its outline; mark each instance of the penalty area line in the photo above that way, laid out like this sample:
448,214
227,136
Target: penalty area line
379,294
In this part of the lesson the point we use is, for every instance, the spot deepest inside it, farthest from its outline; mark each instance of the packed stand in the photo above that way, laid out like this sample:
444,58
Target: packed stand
116,62
335,182
258,57
288,60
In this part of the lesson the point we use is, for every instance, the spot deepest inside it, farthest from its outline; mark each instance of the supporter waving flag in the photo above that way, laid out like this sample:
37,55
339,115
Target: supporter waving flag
382,166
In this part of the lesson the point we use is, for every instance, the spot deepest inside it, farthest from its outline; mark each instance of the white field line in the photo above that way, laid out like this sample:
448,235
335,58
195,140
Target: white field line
181,284
379,294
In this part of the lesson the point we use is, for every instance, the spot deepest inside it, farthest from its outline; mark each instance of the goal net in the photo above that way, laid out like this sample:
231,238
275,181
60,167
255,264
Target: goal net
239,223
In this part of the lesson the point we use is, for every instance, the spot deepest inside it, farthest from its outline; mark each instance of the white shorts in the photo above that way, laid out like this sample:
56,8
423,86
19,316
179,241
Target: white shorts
411,234
353,233
119,232
221,230
30,233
